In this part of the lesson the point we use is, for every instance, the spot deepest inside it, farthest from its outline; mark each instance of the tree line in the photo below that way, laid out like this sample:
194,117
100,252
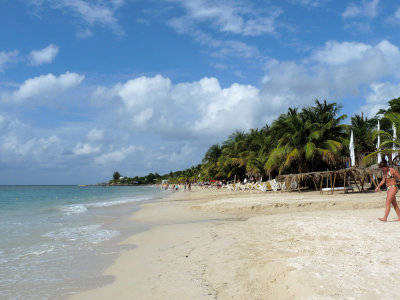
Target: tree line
313,138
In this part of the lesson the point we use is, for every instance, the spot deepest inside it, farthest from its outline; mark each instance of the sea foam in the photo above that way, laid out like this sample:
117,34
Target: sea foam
90,233
81,208
73,209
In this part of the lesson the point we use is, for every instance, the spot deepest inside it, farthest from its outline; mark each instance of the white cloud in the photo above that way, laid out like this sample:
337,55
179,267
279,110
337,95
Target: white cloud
43,56
229,17
44,87
383,58
177,121
204,110
234,107
338,70
307,3
34,147
335,53
378,96
154,104
95,135
219,48
366,9
8,124
115,156
102,12
7,58
394,18
85,149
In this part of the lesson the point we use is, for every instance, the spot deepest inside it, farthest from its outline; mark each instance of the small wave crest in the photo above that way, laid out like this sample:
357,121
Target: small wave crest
73,209
90,233
115,202
81,208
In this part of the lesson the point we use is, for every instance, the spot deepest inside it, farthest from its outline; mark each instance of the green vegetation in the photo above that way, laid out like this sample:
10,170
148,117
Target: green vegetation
311,139
148,179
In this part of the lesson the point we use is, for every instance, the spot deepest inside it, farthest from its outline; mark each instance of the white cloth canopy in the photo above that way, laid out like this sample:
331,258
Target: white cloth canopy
379,144
351,147
394,154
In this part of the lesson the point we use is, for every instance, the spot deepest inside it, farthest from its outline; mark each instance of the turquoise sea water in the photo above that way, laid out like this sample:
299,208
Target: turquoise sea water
55,240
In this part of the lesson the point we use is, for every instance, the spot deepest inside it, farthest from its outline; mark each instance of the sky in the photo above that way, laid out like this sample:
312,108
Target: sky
89,87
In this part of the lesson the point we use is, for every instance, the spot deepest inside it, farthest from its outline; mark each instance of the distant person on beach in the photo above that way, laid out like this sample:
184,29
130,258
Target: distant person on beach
389,178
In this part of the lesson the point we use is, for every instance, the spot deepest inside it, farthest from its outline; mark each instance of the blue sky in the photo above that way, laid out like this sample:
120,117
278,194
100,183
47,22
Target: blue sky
88,87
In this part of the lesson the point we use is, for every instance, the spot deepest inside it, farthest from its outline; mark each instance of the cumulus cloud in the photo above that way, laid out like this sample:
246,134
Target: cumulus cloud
366,9
43,56
332,72
378,95
6,58
35,147
85,148
176,121
44,87
115,156
155,104
335,53
204,109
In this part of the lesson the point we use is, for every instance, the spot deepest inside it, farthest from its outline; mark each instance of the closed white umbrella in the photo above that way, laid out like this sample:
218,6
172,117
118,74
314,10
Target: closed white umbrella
394,154
379,144
351,147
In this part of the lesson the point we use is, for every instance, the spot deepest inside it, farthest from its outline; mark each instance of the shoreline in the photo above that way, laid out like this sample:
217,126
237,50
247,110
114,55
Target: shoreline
217,244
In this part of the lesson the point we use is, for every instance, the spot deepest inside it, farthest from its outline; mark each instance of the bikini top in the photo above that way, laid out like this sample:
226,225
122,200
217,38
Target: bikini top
389,175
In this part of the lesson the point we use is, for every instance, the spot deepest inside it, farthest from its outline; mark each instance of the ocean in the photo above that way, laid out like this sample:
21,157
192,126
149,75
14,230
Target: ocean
56,240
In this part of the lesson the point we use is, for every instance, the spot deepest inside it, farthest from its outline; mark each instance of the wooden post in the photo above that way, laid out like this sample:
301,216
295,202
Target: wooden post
334,180
344,182
322,181
315,184
355,181
362,184
330,177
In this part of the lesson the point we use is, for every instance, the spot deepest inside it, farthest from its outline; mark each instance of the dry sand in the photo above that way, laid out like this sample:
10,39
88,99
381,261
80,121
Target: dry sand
216,244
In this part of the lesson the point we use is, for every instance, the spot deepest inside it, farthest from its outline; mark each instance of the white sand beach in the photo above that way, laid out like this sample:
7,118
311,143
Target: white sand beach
217,244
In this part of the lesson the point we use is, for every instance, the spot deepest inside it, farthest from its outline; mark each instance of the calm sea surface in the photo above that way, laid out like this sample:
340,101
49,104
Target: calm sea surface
55,240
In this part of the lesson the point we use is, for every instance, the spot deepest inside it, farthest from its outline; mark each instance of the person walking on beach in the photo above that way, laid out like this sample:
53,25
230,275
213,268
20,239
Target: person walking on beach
389,178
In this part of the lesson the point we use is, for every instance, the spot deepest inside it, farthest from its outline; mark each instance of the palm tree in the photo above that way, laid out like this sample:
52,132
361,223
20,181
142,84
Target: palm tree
305,136
209,167
232,161
389,141
363,129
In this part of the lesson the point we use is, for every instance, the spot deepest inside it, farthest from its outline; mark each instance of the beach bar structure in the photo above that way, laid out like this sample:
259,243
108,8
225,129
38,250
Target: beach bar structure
330,181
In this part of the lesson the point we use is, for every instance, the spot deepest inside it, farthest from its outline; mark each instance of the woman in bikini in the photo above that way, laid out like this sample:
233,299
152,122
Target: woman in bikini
389,177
